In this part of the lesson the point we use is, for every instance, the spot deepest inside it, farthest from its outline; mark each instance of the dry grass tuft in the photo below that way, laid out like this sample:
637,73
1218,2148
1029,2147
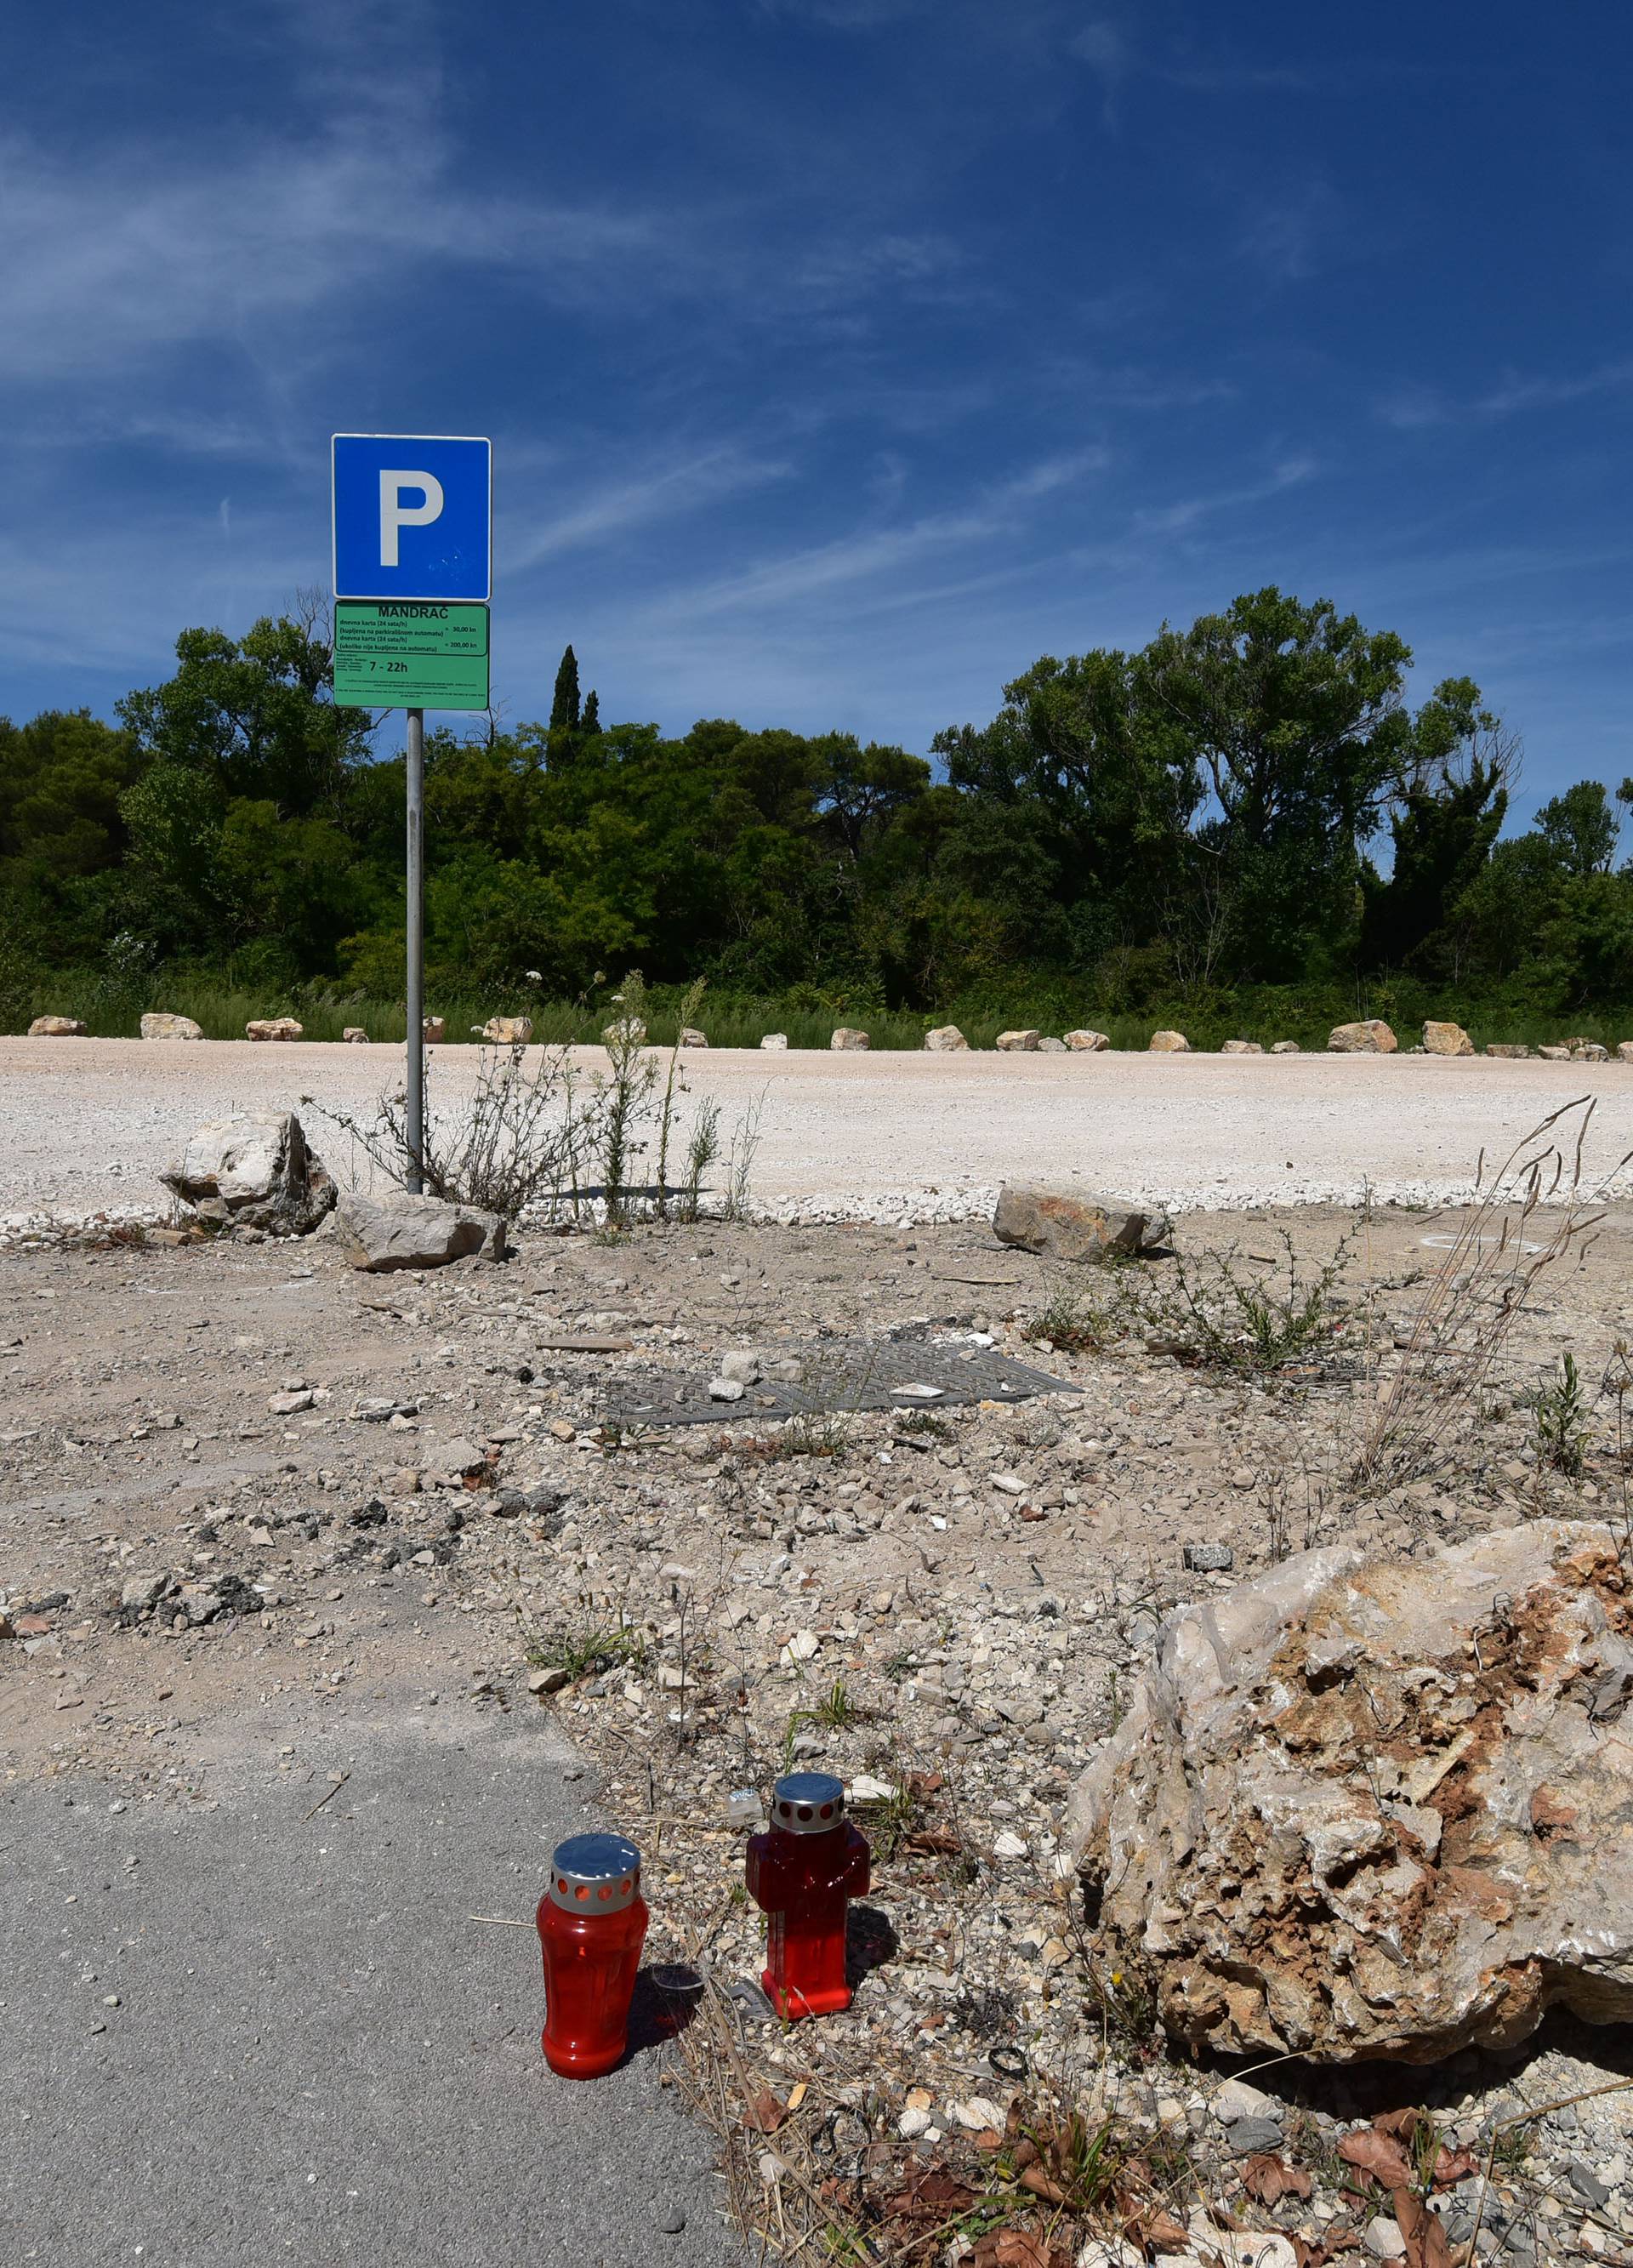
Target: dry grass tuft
1520,1230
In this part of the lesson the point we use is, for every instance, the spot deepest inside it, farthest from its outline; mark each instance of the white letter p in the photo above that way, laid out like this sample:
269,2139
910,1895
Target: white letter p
395,514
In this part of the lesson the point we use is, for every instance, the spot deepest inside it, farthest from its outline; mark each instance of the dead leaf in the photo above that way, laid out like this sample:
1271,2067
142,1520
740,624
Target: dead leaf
932,1843
1377,2155
1040,2184
930,2196
1271,2179
1452,2166
1402,2124
1021,2248
1156,2230
1317,2254
796,2095
765,2113
1426,2243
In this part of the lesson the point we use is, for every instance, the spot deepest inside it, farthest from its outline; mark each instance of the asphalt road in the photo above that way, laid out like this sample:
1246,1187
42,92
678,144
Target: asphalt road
317,2057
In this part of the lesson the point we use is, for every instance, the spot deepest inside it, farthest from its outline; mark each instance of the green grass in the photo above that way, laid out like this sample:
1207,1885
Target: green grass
1076,1321
586,1649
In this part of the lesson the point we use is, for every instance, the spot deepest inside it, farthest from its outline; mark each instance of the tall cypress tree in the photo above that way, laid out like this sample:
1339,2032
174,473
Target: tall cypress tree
592,712
564,707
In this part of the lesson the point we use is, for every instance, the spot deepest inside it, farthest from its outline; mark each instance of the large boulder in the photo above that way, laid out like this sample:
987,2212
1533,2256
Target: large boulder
848,1041
57,1027
507,1031
355,1035
775,1042
255,1171
1087,1043
1584,1050
1242,1047
1624,1052
947,1040
1169,1043
1075,1224
1446,1040
434,1029
384,1234
691,1038
1371,1036
1378,1809
1021,1043
1508,1051
1286,1048
162,1026
274,1027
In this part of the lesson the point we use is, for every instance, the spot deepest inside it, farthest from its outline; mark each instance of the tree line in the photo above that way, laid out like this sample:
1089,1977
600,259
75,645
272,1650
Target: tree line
1251,802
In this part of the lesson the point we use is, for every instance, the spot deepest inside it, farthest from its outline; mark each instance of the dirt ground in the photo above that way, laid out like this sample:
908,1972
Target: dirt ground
233,1472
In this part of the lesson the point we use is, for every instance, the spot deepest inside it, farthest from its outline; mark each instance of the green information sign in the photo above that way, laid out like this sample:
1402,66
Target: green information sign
405,653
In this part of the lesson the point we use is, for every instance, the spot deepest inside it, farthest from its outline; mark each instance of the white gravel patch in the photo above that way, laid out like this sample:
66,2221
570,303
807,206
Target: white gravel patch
897,1138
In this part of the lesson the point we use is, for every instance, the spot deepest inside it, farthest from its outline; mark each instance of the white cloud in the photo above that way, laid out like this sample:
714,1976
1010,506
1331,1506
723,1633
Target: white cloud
661,490
1411,406
886,261
869,554
102,260
1516,393
1283,234
1103,46
1176,519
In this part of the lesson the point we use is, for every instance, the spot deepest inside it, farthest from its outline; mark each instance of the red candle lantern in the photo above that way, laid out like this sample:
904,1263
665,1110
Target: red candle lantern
592,1925
803,1873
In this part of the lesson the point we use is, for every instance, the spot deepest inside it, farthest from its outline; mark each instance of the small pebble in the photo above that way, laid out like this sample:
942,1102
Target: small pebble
1208,1558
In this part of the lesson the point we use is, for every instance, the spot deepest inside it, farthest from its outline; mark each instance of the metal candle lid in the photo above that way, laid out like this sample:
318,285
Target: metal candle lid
594,1874
807,1803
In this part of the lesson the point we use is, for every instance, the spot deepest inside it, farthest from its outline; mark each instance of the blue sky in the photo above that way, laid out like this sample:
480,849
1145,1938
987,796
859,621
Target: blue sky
841,357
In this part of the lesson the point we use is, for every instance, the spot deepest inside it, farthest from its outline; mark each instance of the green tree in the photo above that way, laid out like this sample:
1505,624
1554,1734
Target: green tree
1448,812
1581,828
1295,714
169,892
863,789
254,714
291,884
564,713
1078,784
61,777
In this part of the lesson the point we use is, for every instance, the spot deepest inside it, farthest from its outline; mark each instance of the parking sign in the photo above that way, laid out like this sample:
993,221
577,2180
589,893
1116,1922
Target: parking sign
413,516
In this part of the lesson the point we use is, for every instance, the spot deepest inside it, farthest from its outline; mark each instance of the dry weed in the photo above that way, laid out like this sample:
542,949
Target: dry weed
1536,1212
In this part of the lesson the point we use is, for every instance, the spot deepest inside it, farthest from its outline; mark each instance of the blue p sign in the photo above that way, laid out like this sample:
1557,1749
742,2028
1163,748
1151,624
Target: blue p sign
413,516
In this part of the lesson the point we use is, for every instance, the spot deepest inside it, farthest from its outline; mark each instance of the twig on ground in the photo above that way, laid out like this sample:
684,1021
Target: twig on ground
322,1800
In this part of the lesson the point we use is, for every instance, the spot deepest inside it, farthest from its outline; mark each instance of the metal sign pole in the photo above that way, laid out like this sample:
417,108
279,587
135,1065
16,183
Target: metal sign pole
411,633
416,948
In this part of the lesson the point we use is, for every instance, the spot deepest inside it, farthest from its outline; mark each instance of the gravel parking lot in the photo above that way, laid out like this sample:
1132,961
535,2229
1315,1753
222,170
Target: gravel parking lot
86,1124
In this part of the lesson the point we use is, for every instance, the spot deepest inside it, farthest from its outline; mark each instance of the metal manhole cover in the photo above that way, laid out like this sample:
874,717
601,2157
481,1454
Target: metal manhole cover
841,1375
